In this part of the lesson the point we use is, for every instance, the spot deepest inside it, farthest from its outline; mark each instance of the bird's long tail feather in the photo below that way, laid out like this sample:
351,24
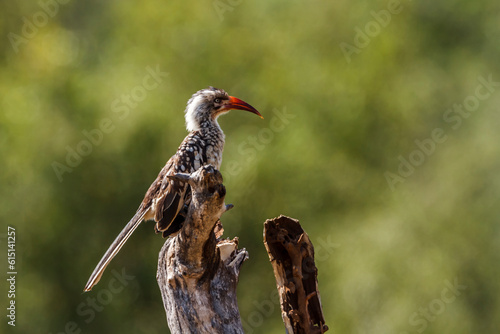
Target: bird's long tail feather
114,249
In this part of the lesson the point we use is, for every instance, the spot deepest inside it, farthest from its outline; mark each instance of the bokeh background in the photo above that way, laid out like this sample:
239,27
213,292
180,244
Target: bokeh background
347,89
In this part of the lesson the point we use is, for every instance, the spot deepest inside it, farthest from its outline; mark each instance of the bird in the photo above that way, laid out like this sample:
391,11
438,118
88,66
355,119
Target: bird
167,198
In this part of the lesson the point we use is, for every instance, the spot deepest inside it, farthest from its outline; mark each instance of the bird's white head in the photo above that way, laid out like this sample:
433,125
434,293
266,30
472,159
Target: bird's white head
207,104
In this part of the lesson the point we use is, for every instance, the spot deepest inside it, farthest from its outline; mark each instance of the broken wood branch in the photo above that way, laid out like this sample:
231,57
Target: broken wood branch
292,256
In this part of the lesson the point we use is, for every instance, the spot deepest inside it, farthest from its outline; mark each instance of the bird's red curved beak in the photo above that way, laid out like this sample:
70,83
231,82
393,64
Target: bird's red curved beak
235,103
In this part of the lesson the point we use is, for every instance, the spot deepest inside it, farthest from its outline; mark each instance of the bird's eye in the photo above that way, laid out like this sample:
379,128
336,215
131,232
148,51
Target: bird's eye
217,100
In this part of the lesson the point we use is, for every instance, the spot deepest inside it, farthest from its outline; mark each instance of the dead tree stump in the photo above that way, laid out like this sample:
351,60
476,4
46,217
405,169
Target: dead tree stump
292,256
197,272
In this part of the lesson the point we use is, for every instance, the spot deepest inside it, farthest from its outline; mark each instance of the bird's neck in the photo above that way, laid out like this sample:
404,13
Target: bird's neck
212,137
211,128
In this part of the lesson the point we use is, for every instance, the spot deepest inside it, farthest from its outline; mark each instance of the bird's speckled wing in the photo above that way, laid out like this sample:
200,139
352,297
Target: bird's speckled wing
167,197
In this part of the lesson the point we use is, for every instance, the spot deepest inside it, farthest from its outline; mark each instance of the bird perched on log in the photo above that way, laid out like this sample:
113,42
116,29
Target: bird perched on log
167,196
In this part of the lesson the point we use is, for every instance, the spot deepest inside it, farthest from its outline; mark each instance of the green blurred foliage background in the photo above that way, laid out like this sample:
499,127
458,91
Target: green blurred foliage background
385,252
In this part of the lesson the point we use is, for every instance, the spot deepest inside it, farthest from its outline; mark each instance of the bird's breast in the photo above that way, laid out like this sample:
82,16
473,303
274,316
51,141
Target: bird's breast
202,148
214,156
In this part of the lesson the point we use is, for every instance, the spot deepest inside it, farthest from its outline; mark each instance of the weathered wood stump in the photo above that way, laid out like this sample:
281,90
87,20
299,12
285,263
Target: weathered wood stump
292,256
197,272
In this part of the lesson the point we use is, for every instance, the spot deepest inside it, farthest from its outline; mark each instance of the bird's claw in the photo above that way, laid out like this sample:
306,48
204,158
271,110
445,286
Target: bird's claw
183,177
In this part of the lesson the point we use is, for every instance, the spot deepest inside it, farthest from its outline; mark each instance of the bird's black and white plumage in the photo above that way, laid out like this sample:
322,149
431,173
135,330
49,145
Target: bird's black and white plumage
166,197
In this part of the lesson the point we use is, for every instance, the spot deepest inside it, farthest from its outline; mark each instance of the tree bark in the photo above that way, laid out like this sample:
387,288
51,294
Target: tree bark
292,256
197,271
